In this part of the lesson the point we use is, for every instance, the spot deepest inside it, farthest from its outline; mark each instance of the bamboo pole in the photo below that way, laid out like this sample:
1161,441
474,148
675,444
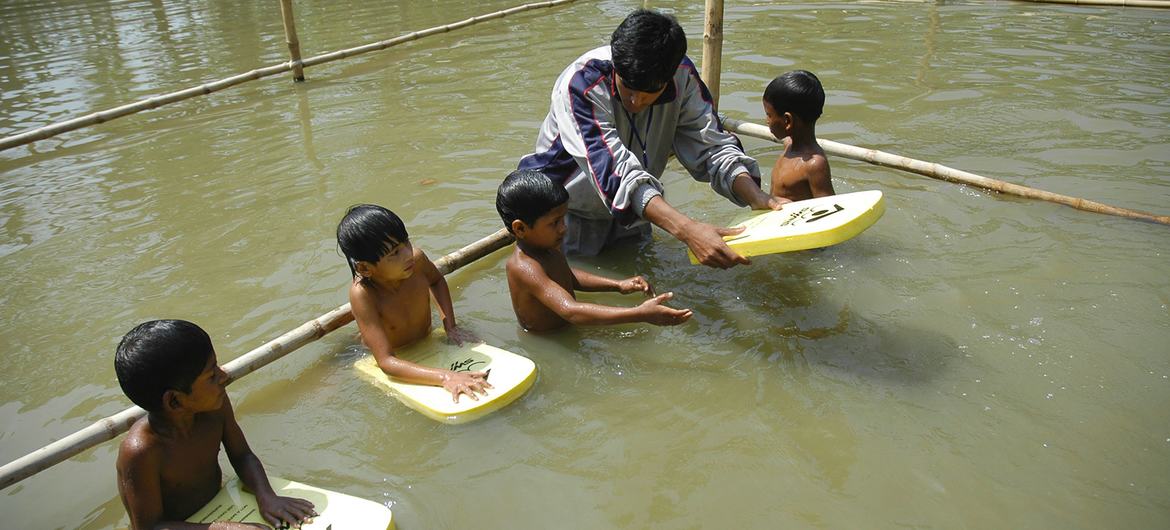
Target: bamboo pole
1112,3
712,48
110,427
948,174
290,37
49,131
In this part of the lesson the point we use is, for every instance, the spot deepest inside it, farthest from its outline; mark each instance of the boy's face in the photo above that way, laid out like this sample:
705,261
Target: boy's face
208,390
547,232
635,101
778,123
396,265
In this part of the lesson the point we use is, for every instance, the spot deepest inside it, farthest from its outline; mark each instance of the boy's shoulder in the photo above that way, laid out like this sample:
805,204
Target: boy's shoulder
140,446
521,262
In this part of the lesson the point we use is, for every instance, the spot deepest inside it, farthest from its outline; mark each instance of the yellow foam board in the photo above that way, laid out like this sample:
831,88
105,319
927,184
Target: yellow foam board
336,510
511,376
812,223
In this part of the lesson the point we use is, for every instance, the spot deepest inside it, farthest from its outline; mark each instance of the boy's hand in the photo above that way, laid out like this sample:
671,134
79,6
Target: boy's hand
285,512
460,335
636,284
660,315
466,383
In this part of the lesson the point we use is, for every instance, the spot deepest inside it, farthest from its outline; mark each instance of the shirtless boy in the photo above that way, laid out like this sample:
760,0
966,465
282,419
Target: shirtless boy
540,279
168,465
390,296
793,101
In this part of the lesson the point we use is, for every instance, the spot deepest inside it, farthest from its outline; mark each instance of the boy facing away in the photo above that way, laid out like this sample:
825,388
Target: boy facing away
168,465
540,280
793,102
393,282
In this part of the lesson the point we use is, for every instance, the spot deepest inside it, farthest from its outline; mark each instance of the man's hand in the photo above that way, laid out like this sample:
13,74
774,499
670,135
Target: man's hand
773,203
706,242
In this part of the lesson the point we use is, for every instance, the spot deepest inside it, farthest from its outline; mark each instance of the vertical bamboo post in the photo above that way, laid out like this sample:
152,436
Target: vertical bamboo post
712,48
290,36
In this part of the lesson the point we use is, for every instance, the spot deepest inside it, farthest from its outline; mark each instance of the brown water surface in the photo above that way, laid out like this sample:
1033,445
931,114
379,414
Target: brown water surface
972,361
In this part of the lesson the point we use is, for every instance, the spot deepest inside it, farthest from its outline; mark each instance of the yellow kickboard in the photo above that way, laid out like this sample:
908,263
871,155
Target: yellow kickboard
811,223
511,376
336,510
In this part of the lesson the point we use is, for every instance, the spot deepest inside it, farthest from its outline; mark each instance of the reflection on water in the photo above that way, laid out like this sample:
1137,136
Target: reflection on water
972,360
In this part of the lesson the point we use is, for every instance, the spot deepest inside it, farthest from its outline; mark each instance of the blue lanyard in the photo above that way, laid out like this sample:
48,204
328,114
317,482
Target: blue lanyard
634,127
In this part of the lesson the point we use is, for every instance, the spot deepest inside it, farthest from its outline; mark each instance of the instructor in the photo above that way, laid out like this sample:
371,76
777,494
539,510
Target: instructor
617,114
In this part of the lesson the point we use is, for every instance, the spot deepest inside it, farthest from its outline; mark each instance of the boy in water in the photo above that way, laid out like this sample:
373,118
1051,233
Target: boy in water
168,465
793,102
390,298
539,277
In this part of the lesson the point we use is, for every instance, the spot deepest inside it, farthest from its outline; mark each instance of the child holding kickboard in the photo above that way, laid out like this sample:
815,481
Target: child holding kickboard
168,465
540,280
390,297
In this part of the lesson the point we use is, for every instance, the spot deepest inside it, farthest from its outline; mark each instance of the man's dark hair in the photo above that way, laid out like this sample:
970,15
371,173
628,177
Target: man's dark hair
798,92
647,48
526,195
368,232
160,355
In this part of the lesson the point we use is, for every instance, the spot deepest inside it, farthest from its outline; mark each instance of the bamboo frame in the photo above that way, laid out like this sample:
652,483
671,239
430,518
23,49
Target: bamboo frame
50,131
290,38
948,174
1113,3
110,427
712,48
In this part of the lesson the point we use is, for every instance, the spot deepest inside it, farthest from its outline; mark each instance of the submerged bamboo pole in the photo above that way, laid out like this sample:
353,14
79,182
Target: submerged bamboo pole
948,174
290,37
1111,3
49,131
110,427
712,48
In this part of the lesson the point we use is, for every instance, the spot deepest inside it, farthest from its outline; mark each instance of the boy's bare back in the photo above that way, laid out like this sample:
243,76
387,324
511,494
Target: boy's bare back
801,173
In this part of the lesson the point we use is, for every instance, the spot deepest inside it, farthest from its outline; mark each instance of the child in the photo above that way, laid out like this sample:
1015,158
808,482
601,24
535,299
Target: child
390,298
539,277
793,102
168,465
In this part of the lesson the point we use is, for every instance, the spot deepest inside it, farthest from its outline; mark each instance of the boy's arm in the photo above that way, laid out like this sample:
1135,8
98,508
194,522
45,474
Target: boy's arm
439,290
139,486
273,508
589,282
369,325
820,181
549,293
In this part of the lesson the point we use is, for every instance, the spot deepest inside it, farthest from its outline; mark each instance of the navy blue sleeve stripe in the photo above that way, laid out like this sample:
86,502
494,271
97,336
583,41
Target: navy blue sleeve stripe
555,162
601,161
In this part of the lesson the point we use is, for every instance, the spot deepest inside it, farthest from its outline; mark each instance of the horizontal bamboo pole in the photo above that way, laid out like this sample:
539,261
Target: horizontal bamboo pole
50,131
948,174
110,427
1112,3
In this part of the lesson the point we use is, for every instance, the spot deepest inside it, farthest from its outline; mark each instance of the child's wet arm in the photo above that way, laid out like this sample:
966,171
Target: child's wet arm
239,453
589,282
439,291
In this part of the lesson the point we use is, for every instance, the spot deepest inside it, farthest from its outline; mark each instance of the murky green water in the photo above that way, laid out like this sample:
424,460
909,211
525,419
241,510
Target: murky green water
972,361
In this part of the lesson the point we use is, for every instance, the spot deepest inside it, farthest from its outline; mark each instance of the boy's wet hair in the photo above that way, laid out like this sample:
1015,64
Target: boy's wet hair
647,48
160,355
368,232
526,195
798,92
